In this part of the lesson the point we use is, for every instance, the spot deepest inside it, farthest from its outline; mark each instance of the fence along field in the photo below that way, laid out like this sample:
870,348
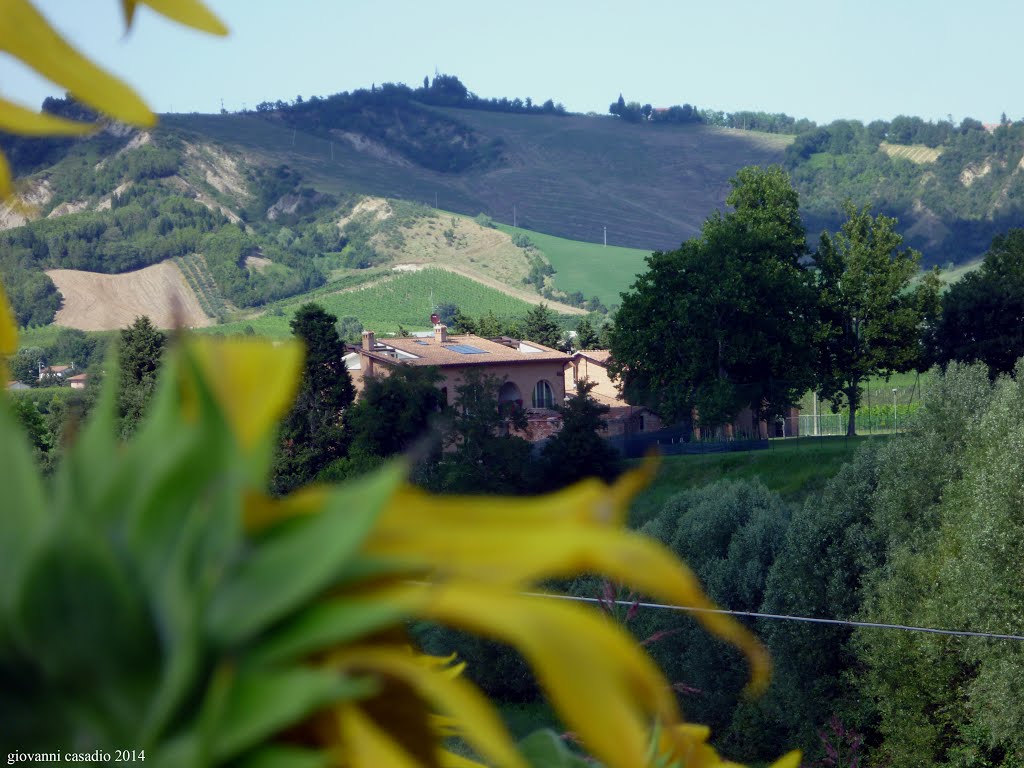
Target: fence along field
384,304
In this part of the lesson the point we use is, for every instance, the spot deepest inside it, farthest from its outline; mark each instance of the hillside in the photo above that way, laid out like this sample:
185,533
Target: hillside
267,205
650,176
193,232
564,175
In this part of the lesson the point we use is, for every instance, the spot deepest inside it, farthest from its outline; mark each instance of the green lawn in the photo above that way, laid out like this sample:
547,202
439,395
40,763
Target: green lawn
41,336
588,267
794,468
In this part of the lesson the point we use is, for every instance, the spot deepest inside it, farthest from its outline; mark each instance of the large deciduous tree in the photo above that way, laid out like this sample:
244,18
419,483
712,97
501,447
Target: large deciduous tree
727,320
983,314
871,318
311,434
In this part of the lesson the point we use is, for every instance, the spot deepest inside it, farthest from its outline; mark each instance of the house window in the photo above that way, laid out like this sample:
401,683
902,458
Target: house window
543,397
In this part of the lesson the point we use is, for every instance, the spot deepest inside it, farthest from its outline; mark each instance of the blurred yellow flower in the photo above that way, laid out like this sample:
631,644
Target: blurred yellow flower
252,382
8,335
27,36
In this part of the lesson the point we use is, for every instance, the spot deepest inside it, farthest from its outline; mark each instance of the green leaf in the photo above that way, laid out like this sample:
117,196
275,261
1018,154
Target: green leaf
83,477
177,611
280,756
325,625
297,561
24,510
264,702
544,749
79,615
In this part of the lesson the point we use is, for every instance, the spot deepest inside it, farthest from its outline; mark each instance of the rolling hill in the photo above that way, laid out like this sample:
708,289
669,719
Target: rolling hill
568,176
290,200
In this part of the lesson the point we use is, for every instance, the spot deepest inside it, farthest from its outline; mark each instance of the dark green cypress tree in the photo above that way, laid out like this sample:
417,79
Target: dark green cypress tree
312,435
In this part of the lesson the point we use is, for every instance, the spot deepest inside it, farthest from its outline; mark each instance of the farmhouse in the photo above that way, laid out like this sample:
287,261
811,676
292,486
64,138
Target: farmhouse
532,374
623,418
626,419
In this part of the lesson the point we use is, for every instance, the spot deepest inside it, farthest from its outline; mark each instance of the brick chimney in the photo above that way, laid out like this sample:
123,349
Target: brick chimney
440,333
369,338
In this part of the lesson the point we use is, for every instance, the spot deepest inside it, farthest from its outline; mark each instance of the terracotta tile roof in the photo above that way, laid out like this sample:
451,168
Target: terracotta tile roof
462,350
601,356
79,377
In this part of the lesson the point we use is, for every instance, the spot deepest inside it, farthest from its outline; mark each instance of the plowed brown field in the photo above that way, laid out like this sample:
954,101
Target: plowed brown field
98,302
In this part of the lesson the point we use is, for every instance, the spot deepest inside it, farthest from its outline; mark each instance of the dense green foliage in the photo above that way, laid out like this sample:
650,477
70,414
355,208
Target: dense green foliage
483,455
946,512
578,450
540,325
393,413
727,320
730,534
950,208
983,314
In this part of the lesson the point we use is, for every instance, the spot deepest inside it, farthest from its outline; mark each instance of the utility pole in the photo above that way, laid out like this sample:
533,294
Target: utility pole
435,200
513,216
605,237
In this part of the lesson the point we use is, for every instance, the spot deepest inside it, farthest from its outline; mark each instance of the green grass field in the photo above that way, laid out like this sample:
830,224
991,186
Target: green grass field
403,299
41,336
592,268
794,468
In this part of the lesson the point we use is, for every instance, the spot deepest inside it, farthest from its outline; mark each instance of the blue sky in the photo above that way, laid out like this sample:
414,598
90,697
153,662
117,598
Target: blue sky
823,59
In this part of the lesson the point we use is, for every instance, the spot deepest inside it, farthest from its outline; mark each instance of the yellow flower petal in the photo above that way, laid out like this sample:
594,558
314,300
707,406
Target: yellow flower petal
191,13
8,334
451,760
457,542
253,381
458,698
789,760
366,745
600,682
15,118
6,187
587,502
27,36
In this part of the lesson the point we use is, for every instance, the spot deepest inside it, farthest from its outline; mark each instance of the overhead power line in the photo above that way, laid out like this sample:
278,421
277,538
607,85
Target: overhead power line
783,617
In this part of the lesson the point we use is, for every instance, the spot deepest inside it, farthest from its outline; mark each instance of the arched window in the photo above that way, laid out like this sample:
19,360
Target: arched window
543,397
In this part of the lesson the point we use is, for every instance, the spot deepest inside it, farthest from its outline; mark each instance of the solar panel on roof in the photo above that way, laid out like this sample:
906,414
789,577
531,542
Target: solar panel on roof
466,349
